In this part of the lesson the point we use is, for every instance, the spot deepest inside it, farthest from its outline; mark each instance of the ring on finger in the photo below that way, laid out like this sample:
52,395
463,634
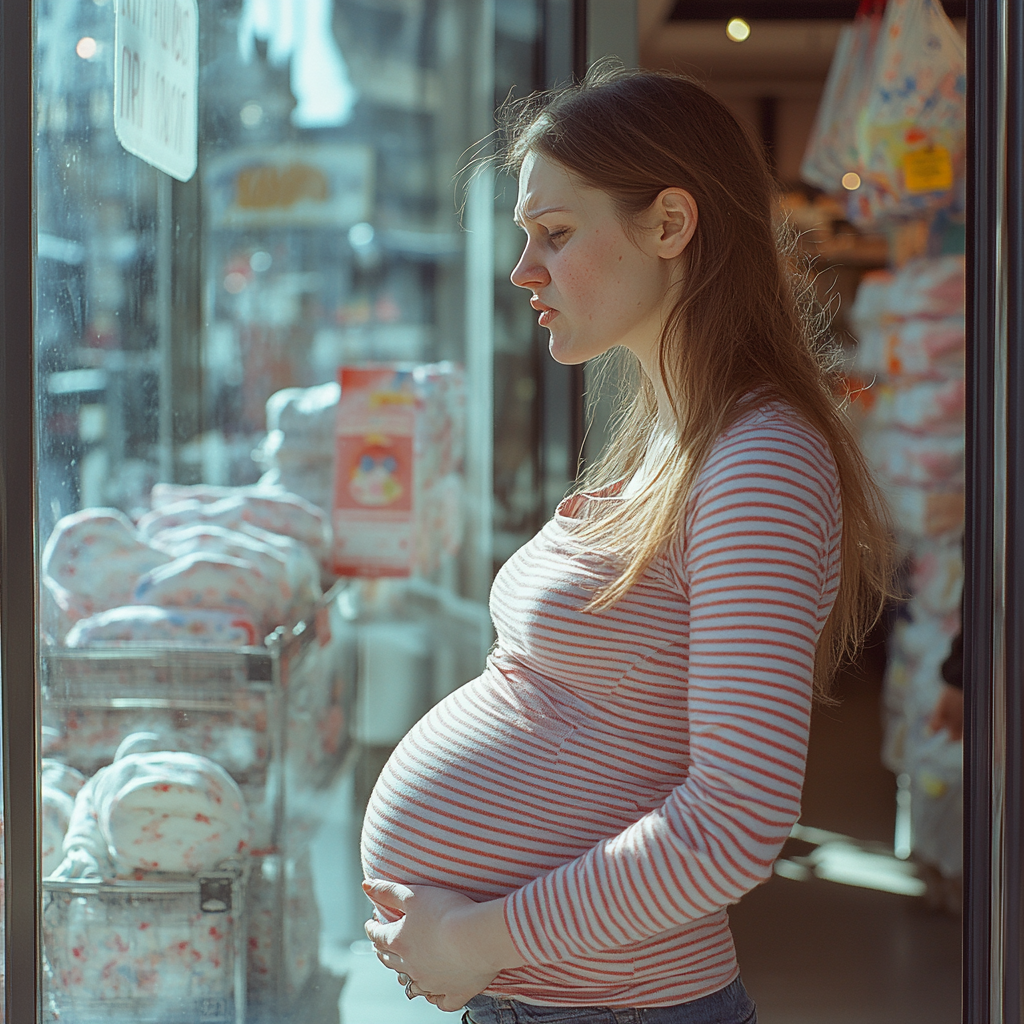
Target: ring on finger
408,989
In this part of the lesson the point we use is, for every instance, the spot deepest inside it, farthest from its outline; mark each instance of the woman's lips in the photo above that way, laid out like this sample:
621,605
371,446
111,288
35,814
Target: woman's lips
547,314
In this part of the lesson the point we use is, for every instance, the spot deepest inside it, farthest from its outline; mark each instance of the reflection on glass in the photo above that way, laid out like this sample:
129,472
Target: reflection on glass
263,520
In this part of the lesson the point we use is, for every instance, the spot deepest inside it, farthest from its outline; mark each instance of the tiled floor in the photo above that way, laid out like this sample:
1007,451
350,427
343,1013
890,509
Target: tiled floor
812,952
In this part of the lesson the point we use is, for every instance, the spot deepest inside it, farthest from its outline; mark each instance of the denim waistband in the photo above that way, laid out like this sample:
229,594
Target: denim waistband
730,1005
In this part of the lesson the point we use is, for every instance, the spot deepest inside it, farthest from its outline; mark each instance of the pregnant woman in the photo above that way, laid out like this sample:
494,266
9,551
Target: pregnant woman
560,839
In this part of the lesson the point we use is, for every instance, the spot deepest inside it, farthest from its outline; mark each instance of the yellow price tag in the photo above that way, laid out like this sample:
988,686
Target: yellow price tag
928,170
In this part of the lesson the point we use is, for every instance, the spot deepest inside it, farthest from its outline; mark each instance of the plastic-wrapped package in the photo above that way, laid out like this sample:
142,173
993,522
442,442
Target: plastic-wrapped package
96,556
298,451
218,540
140,623
290,515
923,459
59,787
164,811
276,511
58,775
937,576
921,406
871,303
149,953
919,644
914,348
927,513
912,133
59,610
832,150
212,582
301,939
57,808
931,287
192,511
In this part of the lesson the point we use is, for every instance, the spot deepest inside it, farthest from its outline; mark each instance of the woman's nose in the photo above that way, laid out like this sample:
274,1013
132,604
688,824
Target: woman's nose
528,273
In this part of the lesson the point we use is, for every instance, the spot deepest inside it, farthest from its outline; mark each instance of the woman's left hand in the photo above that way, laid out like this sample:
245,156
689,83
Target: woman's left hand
431,942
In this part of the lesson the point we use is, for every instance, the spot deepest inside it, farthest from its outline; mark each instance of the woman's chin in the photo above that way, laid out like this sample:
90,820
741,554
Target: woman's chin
563,351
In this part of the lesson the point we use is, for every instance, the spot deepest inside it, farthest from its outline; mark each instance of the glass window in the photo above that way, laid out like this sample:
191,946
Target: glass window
264,473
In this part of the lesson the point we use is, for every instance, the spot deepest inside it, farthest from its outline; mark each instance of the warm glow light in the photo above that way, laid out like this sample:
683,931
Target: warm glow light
851,181
86,48
738,30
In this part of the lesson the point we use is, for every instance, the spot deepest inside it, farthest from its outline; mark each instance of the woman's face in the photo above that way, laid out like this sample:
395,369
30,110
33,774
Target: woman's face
593,286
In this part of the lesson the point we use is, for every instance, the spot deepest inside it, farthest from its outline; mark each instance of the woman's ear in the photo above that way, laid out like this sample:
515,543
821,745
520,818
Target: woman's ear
674,214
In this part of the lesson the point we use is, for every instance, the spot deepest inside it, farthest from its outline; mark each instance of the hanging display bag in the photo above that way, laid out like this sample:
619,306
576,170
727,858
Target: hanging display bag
832,149
911,133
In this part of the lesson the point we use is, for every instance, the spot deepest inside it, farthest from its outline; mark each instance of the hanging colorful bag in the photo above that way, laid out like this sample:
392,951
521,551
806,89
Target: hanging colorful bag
911,134
832,149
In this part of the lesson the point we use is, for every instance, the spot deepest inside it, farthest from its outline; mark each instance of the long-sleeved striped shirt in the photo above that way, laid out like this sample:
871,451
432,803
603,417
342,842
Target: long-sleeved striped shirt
622,776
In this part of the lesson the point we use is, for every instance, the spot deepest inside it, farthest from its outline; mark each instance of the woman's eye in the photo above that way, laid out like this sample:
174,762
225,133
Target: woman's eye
554,236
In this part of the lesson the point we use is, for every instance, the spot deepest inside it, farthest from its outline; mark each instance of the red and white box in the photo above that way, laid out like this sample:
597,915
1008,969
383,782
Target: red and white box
397,468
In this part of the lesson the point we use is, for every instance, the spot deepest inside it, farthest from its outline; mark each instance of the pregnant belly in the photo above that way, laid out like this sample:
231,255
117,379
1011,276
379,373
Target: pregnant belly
485,793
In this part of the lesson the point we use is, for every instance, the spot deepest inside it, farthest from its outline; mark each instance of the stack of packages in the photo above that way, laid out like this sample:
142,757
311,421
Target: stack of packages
381,448
151,817
891,131
207,568
298,451
909,366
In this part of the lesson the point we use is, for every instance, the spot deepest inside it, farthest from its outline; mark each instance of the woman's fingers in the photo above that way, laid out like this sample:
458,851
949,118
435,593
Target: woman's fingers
392,895
379,934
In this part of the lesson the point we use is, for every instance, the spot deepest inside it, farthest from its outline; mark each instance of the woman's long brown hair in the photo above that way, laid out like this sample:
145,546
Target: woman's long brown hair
738,333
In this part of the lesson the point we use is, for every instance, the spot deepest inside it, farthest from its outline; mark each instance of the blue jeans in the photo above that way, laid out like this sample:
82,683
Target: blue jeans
730,1005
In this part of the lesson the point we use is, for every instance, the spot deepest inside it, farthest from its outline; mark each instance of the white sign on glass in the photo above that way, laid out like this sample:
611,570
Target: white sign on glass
156,82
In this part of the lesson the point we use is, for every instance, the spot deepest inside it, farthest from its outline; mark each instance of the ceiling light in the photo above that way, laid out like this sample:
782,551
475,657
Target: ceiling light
738,30
851,181
86,48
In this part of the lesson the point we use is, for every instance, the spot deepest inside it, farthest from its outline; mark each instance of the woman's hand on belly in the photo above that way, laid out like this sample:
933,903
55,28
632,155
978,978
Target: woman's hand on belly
448,946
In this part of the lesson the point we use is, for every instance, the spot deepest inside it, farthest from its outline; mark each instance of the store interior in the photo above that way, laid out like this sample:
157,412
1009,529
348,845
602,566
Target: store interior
213,347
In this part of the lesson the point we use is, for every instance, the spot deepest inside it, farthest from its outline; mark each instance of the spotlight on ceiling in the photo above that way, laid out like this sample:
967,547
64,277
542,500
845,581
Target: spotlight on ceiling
738,30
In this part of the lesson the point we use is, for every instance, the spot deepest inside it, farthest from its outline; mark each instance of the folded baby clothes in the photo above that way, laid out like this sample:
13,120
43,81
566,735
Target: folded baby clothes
211,581
97,556
140,623
163,811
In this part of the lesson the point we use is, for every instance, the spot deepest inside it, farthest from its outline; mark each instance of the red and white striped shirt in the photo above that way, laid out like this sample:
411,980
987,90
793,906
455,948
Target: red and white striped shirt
622,776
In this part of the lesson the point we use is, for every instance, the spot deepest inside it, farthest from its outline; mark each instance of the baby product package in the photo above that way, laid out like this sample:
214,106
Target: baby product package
398,461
